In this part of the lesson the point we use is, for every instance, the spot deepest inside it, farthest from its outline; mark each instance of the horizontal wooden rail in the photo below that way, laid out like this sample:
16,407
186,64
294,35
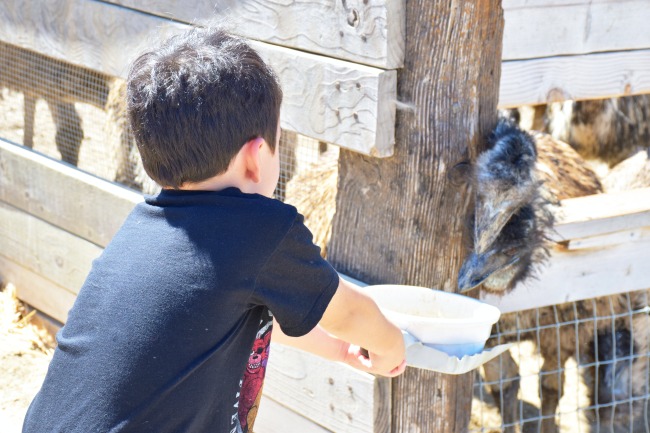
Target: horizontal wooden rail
602,214
331,100
62,195
356,30
373,33
551,28
588,76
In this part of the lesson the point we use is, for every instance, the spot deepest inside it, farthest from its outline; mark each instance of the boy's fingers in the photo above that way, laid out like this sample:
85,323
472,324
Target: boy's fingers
365,361
399,369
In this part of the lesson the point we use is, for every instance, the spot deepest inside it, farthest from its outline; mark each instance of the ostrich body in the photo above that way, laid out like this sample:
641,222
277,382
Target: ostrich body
609,130
511,223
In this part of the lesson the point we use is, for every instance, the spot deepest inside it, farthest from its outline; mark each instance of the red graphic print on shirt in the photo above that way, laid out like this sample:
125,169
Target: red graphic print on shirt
251,390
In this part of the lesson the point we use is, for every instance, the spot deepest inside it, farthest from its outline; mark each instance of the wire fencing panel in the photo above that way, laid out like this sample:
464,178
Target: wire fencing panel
577,367
55,108
78,115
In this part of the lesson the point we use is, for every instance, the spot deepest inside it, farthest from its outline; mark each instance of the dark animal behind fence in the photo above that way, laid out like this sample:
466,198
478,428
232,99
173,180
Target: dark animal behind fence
60,84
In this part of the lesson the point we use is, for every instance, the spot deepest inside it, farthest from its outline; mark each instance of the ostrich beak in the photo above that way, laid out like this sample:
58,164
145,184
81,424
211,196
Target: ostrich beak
479,267
489,221
470,275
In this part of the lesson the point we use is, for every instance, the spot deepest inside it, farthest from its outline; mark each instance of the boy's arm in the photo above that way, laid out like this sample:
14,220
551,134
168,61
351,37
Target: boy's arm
317,341
354,317
352,320
320,342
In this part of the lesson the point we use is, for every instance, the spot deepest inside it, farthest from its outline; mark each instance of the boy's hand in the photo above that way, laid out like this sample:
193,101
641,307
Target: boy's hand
354,317
360,359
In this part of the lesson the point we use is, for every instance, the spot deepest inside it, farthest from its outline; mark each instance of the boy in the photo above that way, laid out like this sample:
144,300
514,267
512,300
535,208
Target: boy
171,330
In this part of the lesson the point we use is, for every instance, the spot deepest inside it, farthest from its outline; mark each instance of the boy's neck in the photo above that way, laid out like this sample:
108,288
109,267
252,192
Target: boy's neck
216,183
254,170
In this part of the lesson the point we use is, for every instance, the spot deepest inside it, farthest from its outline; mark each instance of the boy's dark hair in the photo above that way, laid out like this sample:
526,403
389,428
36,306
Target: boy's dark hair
195,101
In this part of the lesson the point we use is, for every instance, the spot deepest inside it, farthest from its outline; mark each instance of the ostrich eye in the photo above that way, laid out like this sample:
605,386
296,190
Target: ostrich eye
510,251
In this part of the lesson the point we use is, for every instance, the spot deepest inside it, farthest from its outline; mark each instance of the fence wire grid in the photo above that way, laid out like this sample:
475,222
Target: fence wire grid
578,367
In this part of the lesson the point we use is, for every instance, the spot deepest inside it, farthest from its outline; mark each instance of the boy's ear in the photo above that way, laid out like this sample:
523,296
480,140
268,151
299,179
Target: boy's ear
252,162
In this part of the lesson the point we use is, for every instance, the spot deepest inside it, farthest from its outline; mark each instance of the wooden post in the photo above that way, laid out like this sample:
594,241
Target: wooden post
401,219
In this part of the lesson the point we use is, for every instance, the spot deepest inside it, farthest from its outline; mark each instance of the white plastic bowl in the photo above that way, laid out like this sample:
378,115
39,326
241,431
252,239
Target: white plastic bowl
455,324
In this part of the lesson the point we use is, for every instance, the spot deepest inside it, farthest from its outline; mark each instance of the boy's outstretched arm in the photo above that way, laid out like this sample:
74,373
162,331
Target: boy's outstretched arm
356,320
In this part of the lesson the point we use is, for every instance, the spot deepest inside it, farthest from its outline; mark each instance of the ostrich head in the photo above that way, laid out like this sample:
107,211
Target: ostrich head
511,216
512,256
505,181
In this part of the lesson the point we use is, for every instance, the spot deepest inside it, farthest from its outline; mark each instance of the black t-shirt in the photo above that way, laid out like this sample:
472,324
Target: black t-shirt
170,332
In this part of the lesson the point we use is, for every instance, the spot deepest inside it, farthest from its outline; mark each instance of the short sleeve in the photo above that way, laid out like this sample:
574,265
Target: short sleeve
296,283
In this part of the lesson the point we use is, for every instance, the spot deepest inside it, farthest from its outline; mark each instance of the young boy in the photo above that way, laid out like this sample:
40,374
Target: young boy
171,330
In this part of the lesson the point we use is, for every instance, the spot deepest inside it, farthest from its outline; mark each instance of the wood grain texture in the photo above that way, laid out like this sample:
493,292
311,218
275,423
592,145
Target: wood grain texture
589,76
44,249
400,220
335,396
601,214
327,99
335,101
75,201
275,418
549,28
356,30
37,290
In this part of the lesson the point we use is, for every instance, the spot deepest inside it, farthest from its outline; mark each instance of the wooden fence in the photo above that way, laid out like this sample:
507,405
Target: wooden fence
339,77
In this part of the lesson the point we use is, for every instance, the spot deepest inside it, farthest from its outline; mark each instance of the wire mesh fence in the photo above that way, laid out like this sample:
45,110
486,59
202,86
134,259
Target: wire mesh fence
55,108
577,367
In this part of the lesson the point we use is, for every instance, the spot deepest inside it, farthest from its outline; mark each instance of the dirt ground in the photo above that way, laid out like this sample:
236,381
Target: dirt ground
26,348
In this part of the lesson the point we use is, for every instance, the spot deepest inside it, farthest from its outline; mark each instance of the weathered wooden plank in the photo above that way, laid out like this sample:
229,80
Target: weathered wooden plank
327,99
615,265
80,203
548,28
363,33
276,418
335,396
44,249
590,76
37,290
600,214
356,30
335,101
